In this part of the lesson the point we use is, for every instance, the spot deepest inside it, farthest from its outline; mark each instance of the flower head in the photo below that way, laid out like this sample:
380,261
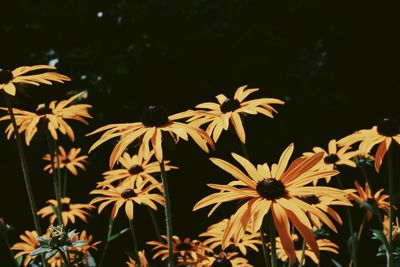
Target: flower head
70,161
229,110
24,75
30,242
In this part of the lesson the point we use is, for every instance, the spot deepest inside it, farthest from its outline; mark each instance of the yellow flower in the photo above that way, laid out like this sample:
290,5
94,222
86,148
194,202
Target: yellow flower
275,190
54,115
155,121
384,133
323,244
82,252
128,196
142,258
25,248
69,211
395,229
364,196
230,110
135,168
69,160
215,233
23,75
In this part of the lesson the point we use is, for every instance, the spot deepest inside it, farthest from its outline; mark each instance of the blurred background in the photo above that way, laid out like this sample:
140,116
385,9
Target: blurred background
334,63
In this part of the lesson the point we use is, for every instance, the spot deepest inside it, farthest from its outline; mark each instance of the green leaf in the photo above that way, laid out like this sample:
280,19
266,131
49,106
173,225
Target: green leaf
79,243
50,254
350,243
91,262
337,264
114,236
39,250
378,234
43,241
19,260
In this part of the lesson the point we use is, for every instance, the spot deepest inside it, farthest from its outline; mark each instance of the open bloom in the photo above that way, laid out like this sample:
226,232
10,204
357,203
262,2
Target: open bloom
71,161
229,110
155,121
69,211
276,191
384,133
54,116
83,252
24,75
128,196
30,242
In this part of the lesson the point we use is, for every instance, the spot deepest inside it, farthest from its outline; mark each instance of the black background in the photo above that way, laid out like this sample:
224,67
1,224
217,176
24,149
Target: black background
335,63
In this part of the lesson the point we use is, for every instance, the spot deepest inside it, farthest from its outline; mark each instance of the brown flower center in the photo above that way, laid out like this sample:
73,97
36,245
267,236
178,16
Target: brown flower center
183,246
135,169
128,193
298,243
230,105
271,189
5,76
310,199
331,159
43,109
155,116
65,206
389,127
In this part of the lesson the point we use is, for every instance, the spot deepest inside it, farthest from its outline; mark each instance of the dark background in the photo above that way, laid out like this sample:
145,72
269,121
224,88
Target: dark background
335,63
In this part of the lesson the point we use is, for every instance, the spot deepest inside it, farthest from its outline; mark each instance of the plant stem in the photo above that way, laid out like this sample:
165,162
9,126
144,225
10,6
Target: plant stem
265,251
134,241
24,165
390,185
366,177
155,224
303,251
64,188
9,248
103,254
64,258
274,259
168,217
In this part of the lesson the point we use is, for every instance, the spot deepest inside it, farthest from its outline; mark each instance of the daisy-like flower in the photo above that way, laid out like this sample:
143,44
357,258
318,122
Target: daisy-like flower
140,194
395,229
334,157
276,191
365,198
230,259
71,161
384,133
134,168
54,116
143,261
188,250
323,244
229,110
69,211
24,75
155,121
82,252
30,242
215,233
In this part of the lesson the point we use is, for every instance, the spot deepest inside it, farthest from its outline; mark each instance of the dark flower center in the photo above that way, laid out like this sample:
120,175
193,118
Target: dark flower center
222,262
372,202
65,160
271,189
183,246
135,169
128,193
5,76
43,109
331,159
37,244
229,105
155,116
310,199
65,206
389,127
298,244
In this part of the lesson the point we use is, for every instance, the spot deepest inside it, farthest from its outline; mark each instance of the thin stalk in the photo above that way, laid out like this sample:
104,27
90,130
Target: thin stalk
362,225
64,258
303,253
168,217
56,153
390,185
64,188
274,258
109,233
24,165
134,241
155,224
265,251
9,248
365,175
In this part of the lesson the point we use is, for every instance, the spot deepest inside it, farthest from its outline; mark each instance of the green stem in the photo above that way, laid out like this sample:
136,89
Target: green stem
390,185
303,252
365,175
64,188
362,225
168,217
274,258
64,258
134,241
24,165
265,251
103,254
9,248
155,224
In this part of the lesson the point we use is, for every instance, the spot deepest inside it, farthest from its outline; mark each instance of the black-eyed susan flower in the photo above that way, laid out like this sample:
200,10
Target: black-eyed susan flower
229,110
30,242
70,161
323,244
276,191
134,168
143,261
395,229
215,233
365,198
54,116
81,254
69,211
225,259
384,133
155,121
141,193
25,75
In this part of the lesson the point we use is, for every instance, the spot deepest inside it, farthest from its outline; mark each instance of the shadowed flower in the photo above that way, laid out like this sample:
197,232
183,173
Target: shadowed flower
128,196
155,121
276,191
25,248
383,134
229,259
24,75
70,161
323,244
81,254
54,116
143,261
365,199
395,230
69,211
135,168
229,110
